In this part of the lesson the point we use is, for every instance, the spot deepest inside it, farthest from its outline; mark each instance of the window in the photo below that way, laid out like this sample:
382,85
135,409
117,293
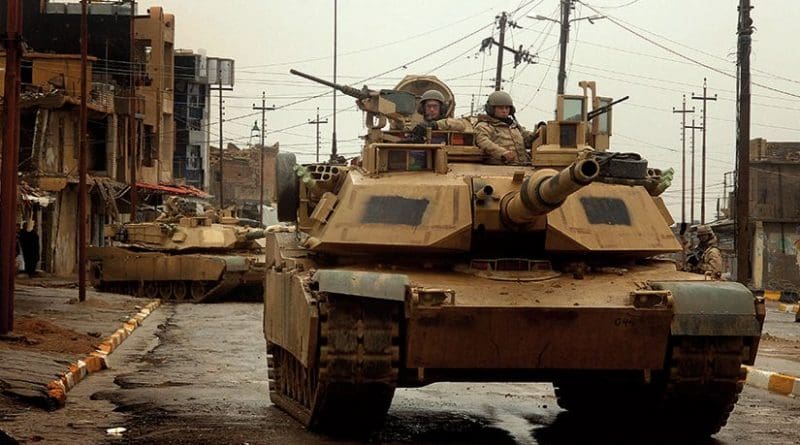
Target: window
573,109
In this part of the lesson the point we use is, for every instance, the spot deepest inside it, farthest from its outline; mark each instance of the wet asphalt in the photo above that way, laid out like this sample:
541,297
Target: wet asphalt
196,374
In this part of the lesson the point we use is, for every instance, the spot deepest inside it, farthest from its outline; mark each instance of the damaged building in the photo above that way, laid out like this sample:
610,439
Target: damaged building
241,174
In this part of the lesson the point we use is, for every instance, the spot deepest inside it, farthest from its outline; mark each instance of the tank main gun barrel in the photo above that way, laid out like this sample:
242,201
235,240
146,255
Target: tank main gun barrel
350,91
546,189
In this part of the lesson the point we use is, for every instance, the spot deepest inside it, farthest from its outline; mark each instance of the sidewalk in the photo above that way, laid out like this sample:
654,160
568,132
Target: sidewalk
52,333
777,366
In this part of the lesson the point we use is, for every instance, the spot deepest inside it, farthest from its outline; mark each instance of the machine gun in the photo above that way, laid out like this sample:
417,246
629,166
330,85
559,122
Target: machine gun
604,109
379,105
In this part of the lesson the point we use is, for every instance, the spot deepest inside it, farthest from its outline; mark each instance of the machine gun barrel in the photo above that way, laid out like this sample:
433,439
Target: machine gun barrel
546,189
350,91
604,109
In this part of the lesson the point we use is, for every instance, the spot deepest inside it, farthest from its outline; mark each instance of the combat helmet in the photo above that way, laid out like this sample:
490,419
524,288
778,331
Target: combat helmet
432,95
704,229
499,98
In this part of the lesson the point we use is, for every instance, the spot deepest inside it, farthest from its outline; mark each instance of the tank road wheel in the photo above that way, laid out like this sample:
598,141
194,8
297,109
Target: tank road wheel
165,290
197,290
704,382
351,388
151,289
692,398
180,290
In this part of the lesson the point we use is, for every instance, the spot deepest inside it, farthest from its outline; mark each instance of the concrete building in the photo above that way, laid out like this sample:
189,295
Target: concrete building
775,212
192,106
155,42
774,215
49,119
49,143
241,174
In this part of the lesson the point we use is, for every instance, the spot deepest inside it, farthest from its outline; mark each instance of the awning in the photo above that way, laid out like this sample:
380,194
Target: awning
34,195
173,189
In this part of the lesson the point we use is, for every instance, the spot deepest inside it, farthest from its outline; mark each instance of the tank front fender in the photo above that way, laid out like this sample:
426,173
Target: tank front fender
383,286
715,308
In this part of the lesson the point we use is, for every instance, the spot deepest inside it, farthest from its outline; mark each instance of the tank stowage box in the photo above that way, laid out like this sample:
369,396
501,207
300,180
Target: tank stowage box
422,262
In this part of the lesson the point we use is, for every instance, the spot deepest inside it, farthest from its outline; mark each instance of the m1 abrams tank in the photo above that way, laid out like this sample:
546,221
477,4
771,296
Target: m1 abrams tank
422,264
180,258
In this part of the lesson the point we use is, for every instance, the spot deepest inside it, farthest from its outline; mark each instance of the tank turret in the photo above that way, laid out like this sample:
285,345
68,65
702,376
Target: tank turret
546,189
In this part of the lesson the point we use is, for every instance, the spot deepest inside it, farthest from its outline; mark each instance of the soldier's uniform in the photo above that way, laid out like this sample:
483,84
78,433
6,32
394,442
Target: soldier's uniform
711,257
438,122
497,136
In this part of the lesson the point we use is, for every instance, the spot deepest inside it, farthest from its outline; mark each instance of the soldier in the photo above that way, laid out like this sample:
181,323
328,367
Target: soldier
433,108
707,254
499,134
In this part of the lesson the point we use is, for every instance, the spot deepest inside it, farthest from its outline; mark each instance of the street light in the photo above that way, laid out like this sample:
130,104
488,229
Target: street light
590,18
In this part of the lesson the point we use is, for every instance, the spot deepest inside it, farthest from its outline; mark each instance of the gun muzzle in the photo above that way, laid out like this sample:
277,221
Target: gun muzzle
546,189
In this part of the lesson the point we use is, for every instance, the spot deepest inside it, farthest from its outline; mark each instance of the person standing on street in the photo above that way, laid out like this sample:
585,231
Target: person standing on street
29,243
707,256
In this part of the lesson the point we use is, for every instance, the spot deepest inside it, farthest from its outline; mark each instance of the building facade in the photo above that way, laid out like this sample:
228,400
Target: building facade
192,102
775,213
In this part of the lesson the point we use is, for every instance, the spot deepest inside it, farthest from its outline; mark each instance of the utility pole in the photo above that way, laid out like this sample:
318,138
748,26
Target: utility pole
334,155
132,126
317,122
264,108
520,55
221,151
705,99
83,193
8,174
472,106
743,246
563,39
683,112
221,88
498,76
693,127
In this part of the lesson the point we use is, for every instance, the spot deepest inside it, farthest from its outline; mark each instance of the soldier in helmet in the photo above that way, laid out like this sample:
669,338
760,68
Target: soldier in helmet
706,258
499,134
433,108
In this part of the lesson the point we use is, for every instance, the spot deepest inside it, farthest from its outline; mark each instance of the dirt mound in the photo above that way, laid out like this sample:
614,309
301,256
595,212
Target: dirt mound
38,334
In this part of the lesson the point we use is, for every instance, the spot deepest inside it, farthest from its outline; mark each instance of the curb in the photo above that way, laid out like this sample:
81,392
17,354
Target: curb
96,361
790,308
786,385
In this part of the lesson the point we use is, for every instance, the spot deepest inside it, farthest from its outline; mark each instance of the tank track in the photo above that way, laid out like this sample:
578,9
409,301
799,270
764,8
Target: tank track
351,387
691,398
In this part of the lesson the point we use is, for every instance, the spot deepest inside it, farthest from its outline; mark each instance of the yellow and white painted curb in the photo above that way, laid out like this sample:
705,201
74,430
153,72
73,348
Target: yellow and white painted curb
774,382
96,361
791,308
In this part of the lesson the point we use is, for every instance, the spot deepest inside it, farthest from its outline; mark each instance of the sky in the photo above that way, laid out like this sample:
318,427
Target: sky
654,51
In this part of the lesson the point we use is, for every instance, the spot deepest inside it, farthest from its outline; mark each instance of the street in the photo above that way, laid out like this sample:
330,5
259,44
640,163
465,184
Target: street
197,374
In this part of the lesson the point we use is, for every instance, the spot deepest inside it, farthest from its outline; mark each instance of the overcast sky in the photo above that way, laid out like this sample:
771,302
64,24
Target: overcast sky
267,37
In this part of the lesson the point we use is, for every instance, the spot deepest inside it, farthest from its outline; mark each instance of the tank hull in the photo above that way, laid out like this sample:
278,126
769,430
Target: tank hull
454,326
182,277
